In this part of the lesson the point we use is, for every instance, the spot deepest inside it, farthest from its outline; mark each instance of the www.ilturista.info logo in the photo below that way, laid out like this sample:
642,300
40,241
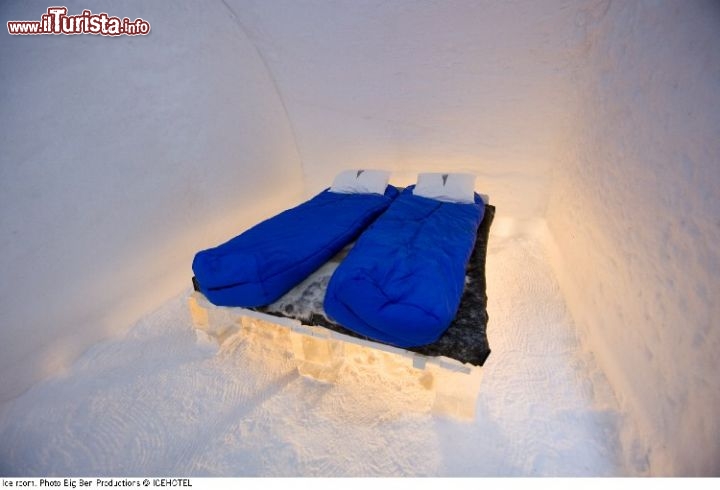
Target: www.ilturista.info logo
57,21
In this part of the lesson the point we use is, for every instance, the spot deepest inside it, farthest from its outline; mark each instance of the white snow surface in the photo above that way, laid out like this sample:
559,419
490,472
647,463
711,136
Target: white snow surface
168,399
123,157
635,213
433,86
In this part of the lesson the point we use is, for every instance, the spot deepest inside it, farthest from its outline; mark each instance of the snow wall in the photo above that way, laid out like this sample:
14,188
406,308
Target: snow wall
424,86
121,157
597,118
635,213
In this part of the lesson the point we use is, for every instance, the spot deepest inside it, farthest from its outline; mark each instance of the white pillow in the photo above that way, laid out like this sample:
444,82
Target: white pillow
448,187
360,181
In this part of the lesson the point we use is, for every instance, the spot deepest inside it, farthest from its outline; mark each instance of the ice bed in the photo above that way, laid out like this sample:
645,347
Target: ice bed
295,326
450,365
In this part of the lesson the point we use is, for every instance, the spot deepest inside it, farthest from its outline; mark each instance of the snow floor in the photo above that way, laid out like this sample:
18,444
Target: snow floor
167,399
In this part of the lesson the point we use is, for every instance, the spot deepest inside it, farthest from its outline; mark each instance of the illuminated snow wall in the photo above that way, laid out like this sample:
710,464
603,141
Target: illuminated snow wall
635,213
120,158
600,117
425,86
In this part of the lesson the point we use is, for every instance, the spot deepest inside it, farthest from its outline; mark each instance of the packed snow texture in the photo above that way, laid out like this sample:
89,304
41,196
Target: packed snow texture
438,85
170,399
635,212
121,157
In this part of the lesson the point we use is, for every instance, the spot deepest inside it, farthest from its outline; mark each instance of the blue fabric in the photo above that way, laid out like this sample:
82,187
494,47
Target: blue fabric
402,282
263,263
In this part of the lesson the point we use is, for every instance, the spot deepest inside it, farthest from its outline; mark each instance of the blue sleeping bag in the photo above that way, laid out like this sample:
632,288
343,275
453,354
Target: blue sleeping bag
263,263
402,282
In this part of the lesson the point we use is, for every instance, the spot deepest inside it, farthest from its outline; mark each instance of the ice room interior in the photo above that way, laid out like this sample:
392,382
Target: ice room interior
592,126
